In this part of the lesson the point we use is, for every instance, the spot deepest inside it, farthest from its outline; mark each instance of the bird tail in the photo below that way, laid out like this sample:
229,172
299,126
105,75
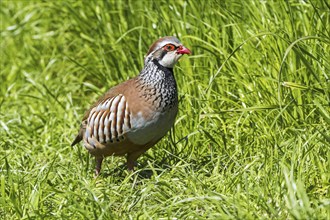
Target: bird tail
76,140
80,134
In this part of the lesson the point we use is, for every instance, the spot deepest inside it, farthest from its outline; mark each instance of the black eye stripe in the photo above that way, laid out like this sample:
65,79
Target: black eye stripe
163,53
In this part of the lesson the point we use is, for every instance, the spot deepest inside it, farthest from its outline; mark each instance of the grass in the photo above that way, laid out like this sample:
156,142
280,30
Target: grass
251,140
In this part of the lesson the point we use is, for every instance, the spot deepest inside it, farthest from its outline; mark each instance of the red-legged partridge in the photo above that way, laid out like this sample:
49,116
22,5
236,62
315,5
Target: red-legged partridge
134,115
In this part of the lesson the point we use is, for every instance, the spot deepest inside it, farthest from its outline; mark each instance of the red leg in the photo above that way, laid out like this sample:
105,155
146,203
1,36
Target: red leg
98,165
131,159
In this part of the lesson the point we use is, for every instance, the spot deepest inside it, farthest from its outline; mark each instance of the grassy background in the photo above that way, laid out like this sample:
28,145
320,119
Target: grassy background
251,140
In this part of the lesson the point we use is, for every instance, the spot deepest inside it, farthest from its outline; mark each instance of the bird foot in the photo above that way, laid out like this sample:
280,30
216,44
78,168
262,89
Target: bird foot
98,167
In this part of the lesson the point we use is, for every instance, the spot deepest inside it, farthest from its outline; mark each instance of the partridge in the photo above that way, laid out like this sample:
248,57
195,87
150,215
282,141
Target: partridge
133,116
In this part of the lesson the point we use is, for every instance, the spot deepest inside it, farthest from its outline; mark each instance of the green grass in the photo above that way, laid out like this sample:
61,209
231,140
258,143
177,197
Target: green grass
252,137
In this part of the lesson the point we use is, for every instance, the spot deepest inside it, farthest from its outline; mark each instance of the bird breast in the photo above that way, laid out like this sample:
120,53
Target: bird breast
158,95
149,129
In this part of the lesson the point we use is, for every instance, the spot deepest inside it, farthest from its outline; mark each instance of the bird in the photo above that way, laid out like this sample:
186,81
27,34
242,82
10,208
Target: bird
134,115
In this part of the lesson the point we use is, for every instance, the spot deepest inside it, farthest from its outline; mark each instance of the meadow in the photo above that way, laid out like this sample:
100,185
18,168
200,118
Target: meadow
252,136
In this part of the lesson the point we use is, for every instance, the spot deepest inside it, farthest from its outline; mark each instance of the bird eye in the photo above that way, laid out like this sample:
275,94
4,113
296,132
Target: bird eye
169,47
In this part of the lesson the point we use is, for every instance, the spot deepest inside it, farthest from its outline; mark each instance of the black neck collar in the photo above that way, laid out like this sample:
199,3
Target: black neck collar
165,69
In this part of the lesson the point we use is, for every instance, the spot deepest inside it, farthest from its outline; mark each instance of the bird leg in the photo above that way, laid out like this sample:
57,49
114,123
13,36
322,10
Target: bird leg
98,161
131,159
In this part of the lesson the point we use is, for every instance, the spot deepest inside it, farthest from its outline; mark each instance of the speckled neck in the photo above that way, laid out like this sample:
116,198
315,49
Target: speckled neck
158,85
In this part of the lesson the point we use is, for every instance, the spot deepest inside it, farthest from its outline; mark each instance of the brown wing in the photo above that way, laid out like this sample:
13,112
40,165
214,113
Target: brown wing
108,121
110,94
106,126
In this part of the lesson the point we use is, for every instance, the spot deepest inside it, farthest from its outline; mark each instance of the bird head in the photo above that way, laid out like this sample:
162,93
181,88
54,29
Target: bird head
167,51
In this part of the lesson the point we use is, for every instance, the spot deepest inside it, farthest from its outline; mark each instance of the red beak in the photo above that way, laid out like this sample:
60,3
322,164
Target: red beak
183,50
